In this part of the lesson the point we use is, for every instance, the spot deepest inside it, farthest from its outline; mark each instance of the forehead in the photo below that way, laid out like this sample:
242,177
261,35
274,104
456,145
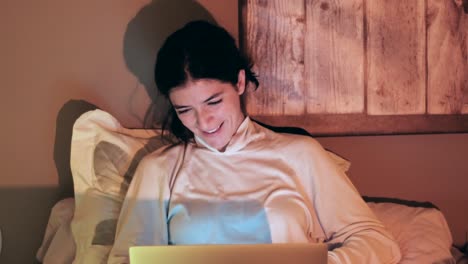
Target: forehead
199,90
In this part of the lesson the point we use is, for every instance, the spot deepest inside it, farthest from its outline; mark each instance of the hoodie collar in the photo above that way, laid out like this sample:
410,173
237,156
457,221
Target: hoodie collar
245,134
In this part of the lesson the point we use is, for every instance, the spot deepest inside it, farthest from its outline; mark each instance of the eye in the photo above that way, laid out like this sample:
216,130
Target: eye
215,102
183,111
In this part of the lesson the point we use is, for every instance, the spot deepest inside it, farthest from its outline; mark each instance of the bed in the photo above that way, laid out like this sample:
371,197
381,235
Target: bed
104,156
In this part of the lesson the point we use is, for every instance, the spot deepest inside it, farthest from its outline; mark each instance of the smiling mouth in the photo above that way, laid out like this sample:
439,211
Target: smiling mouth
214,130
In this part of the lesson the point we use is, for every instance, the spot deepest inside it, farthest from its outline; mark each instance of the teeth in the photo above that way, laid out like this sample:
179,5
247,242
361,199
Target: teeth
214,130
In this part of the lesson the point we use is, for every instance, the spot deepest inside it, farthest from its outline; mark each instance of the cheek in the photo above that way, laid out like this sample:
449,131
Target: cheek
232,106
187,119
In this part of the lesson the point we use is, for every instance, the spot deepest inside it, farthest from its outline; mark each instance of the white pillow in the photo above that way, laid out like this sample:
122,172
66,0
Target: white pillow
58,245
104,156
422,233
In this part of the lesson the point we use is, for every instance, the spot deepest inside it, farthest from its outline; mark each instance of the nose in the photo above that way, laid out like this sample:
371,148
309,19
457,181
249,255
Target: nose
204,120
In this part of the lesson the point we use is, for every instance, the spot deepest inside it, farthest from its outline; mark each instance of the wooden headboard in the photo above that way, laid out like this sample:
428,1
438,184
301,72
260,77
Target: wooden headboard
358,67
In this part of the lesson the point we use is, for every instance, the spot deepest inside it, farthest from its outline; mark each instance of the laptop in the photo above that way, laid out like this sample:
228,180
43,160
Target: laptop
230,254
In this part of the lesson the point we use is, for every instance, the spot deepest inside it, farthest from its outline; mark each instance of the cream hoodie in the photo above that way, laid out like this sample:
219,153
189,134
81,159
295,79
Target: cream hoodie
265,187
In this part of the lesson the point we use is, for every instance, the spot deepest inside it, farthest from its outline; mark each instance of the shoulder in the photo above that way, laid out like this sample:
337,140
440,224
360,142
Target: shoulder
290,139
299,151
156,169
162,159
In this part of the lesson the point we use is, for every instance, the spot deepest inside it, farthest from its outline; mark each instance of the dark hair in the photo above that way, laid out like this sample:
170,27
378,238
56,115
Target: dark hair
199,50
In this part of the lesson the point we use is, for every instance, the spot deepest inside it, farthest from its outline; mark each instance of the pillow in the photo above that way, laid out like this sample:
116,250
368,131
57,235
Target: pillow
57,245
419,228
104,157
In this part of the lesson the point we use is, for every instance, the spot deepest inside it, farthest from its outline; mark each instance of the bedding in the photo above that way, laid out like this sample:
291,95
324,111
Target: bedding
58,245
419,228
104,156
421,232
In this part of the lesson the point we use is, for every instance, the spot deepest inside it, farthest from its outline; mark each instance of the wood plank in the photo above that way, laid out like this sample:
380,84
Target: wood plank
274,38
464,25
361,124
396,64
334,56
447,57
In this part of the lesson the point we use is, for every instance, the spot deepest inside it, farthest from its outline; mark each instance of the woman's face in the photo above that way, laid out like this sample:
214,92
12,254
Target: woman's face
210,108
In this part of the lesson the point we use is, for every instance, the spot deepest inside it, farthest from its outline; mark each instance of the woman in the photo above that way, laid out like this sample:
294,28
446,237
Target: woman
231,180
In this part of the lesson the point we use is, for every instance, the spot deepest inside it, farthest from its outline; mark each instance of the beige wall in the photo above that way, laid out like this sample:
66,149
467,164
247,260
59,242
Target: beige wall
53,51
430,168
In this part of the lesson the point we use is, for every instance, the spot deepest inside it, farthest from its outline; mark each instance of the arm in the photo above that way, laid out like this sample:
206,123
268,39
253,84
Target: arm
142,218
344,216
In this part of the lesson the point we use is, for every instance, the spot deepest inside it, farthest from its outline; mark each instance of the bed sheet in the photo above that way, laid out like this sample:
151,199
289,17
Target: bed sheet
58,244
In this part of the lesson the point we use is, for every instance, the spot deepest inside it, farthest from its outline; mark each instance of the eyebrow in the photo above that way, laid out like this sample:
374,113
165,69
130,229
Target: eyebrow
205,101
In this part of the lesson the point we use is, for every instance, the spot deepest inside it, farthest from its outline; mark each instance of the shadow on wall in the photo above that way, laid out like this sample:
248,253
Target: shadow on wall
144,36
66,118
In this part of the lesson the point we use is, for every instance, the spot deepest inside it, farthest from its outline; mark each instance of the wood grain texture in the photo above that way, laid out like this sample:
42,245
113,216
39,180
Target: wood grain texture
274,38
413,64
396,60
334,56
362,124
447,58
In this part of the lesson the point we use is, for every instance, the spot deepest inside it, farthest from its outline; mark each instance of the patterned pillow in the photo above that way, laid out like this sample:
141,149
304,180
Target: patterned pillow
104,156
